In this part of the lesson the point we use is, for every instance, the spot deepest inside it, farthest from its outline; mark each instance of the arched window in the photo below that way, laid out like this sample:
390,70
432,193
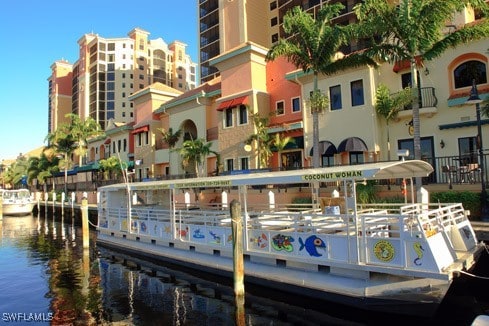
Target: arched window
469,70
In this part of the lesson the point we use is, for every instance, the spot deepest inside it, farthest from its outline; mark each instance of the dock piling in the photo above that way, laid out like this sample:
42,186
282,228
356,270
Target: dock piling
85,229
238,264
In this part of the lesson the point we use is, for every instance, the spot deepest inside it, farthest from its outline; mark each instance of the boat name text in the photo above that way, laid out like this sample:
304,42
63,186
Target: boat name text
332,175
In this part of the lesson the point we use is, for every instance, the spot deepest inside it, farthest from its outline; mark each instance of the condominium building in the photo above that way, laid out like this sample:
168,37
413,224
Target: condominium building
109,70
59,104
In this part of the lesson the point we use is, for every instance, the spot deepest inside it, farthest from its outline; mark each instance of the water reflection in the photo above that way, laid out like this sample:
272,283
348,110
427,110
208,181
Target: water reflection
46,271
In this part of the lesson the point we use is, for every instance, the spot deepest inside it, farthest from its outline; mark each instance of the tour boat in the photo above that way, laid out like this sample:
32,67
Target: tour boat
399,258
17,202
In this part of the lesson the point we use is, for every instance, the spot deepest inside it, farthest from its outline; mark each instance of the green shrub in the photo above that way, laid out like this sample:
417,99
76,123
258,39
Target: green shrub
366,194
300,204
470,200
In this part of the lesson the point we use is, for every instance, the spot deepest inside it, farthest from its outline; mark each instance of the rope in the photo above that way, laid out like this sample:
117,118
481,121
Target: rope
95,226
472,275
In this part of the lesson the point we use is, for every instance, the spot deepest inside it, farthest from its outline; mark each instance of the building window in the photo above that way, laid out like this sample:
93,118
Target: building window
124,144
229,164
356,158
244,163
146,136
468,71
335,97
273,21
243,115
275,38
296,104
357,93
279,107
327,160
228,118
141,77
467,149
273,5
123,114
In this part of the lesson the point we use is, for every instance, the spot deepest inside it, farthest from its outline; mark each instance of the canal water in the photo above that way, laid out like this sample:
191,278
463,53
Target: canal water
46,277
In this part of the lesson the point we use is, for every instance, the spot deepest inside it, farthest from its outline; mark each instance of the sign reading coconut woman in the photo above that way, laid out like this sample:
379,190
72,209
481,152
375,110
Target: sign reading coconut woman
333,175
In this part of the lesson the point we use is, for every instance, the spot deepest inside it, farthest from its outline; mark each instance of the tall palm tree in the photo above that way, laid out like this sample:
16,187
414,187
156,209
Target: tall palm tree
388,106
407,29
280,142
194,152
171,138
262,139
81,131
63,144
314,45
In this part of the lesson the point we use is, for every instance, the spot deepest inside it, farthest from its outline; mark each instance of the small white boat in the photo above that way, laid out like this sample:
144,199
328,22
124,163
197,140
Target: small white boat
398,258
17,202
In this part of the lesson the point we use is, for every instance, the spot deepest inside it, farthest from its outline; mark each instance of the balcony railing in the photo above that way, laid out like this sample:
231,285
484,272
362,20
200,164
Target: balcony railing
427,98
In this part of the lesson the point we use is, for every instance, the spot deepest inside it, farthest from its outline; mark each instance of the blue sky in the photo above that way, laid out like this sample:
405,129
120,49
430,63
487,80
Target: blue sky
36,33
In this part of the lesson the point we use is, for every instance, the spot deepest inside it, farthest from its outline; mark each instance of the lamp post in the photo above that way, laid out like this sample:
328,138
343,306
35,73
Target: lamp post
475,99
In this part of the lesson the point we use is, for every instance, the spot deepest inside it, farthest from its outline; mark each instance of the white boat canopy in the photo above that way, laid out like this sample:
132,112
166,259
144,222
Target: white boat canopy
369,171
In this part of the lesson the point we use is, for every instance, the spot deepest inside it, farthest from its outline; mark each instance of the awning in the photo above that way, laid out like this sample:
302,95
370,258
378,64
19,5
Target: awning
232,103
406,64
325,148
462,124
141,129
352,144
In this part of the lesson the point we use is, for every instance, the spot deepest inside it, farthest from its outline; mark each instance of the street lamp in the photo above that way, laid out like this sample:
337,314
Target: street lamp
475,99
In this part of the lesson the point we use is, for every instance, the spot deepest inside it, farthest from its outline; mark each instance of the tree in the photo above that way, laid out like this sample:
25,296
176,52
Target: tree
388,106
81,131
41,168
314,45
16,174
406,30
112,165
262,140
194,152
63,144
280,142
171,138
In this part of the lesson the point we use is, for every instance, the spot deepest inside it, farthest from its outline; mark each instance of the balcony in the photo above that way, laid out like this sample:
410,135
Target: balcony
427,103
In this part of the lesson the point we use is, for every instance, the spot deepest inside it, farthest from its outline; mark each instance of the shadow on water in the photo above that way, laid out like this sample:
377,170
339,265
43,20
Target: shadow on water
101,286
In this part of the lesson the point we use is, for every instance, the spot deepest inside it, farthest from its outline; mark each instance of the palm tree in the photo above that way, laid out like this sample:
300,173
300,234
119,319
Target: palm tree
63,144
81,131
16,174
41,168
112,165
194,152
314,45
280,142
171,138
388,106
262,139
407,29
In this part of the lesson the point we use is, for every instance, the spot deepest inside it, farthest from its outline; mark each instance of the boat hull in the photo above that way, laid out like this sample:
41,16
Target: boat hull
17,209
382,293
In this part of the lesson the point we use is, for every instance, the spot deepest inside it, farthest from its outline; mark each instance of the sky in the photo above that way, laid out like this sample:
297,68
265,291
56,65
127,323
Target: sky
36,33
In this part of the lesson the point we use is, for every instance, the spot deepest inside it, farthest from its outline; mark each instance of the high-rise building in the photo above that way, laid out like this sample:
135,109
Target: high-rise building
109,70
59,104
261,20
